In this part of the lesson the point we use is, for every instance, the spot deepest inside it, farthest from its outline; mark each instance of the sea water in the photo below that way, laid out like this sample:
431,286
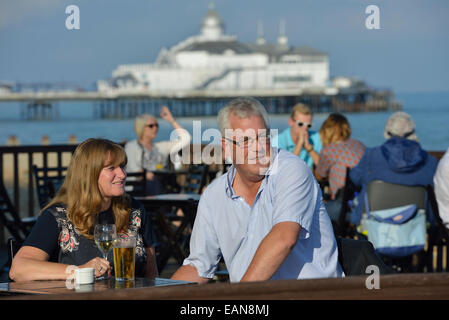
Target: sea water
430,112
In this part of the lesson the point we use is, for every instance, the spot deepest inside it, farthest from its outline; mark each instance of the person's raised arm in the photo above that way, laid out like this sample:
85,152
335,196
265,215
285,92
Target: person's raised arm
172,147
167,116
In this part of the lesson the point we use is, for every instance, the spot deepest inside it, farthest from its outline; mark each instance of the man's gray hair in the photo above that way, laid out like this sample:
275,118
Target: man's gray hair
400,124
243,108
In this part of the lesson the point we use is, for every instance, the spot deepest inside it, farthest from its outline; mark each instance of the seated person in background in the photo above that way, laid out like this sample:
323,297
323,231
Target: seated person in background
339,152
400,160
298,138
441,181
92,193
143,153
265,215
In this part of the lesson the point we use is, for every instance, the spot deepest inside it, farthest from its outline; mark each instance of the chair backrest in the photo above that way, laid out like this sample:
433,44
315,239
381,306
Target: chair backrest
384,195
438,238
136,183
10,218
196,179
13,248
434,205
355,256
48,181
348,193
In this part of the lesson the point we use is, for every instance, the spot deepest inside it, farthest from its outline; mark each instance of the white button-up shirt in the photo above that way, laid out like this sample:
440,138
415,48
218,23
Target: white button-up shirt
441,182
227,226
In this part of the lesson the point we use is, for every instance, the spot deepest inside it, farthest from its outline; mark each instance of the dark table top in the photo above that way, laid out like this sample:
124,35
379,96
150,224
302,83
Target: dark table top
169,172
171,199
60,286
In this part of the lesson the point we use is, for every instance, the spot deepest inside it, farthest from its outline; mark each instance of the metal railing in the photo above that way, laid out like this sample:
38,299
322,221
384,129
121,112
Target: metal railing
16,164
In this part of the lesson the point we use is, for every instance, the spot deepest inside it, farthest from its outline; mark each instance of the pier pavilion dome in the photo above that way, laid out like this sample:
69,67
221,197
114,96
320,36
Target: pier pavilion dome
212,27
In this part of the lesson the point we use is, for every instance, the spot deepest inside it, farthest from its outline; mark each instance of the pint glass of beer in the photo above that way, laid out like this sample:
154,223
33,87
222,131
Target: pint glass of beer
125,257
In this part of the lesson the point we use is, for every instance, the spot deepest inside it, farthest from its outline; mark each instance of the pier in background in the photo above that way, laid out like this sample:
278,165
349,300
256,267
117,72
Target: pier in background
41,103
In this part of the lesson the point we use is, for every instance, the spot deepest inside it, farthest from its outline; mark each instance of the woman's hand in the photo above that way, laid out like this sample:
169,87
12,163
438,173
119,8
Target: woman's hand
150,175
166,114
100,265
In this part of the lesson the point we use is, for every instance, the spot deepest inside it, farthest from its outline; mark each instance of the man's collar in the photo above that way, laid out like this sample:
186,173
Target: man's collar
230,175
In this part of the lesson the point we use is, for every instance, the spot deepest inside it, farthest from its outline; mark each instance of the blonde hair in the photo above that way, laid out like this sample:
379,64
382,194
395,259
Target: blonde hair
301,108
335,128
140,123
80,192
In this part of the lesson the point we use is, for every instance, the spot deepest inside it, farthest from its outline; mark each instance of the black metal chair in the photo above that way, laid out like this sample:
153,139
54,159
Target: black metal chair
136,183
196,179
48,181
342,227
438,238
383,195
13,247
18,227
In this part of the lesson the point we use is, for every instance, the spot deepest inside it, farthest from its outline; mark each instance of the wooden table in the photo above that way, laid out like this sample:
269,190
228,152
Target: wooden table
60,287
392,287
176,247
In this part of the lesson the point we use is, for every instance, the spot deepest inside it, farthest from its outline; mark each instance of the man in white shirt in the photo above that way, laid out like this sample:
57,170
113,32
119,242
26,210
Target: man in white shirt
265,216
441,182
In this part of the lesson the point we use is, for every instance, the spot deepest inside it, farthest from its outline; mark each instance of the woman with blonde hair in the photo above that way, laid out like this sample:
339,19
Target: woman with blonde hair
144,153
339,152
92,193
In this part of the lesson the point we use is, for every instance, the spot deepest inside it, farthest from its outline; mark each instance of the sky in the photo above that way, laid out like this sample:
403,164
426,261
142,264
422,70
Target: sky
409,53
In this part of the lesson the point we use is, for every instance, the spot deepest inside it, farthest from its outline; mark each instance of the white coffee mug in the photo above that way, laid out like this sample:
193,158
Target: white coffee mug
84,275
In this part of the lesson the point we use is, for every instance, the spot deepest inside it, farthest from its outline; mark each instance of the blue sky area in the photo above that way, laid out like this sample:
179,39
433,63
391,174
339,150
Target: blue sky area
408,54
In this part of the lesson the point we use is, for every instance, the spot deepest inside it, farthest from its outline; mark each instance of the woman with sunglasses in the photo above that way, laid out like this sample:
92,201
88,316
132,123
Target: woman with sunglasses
144,153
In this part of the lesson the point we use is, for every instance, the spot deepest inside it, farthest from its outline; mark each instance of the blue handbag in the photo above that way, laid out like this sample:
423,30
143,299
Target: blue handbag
397,231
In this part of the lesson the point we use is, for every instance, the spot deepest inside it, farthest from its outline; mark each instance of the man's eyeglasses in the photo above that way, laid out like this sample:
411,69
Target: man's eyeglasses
153,125
300,124
247,141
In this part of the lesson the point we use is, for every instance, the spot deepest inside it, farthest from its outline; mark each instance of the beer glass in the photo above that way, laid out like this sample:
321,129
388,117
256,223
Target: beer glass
125,257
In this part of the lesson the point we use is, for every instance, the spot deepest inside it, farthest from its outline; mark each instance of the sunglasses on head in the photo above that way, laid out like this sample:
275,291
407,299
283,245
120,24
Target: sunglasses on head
153,125
300,124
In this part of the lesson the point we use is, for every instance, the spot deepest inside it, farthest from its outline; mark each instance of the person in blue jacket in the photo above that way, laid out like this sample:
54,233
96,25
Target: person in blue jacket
400,160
